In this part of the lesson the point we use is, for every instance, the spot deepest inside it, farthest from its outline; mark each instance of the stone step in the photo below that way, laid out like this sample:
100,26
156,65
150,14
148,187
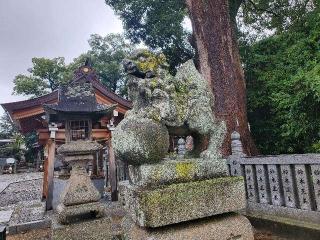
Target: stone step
27,226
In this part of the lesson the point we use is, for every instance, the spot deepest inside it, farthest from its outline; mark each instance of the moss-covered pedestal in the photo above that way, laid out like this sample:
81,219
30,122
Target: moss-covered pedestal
170,199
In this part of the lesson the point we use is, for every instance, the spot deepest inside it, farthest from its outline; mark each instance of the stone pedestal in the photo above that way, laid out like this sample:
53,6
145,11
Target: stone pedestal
223,227
182,202
184,199
80,198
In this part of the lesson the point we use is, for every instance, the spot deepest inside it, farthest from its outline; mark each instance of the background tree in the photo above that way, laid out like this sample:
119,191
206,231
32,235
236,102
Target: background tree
9,131
158,24
252,20
45,76
7,128
219,63
283,80
106,54
276,16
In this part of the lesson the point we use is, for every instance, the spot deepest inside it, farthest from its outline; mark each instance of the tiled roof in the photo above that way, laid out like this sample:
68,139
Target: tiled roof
78,76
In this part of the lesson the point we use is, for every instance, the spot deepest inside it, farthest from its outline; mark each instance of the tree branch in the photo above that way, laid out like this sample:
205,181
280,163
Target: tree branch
262,9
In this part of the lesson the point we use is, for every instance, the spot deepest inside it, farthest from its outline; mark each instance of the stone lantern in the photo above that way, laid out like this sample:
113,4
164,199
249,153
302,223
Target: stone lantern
78,110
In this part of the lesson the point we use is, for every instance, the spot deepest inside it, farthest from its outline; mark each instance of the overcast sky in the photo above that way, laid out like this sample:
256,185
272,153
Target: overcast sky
47,28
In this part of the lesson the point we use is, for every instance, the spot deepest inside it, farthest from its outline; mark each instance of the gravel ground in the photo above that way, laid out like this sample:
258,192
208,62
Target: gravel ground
22,194
20,177
44,234
268,236
7,179
39,234
16,192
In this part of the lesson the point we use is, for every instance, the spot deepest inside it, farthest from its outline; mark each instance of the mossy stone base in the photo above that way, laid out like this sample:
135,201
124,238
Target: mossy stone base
181,202
177,171
222,227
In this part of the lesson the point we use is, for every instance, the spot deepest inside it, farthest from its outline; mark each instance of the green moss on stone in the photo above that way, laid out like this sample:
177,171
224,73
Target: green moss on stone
185,170
186,201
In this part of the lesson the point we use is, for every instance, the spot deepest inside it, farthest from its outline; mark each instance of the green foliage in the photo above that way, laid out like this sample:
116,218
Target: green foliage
7,128
45,76
30,140
22,145
106,54
14,149
263,16
283,84
158,24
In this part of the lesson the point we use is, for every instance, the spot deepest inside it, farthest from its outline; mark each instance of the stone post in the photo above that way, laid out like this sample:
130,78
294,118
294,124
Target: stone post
181,147
237,154
38,161
3,232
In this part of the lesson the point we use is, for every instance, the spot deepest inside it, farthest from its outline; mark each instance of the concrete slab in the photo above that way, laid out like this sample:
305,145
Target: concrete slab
3,186
5,216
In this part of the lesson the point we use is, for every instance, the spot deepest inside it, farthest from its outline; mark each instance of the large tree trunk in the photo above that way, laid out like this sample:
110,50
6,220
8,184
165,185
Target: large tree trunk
219,63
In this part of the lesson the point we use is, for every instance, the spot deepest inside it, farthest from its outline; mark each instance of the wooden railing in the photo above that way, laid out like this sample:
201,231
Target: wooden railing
285,185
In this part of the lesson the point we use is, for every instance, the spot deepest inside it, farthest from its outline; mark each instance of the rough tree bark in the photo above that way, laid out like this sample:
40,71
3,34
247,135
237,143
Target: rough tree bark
219,63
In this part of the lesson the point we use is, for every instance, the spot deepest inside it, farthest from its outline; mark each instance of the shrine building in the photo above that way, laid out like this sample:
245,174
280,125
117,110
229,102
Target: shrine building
30,115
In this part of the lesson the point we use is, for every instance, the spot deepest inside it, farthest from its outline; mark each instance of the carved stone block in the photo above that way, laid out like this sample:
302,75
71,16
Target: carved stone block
262,184
288,187
250,178
303,187
315,171
274,183
184,201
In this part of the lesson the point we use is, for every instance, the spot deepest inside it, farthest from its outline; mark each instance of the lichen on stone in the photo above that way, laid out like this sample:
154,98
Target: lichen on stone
139,141
185,170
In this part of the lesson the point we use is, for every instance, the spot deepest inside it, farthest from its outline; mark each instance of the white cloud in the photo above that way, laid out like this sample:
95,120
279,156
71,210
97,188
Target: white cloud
50,28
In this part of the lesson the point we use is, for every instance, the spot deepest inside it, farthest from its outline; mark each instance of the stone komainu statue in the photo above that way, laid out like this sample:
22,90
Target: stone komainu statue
164,104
